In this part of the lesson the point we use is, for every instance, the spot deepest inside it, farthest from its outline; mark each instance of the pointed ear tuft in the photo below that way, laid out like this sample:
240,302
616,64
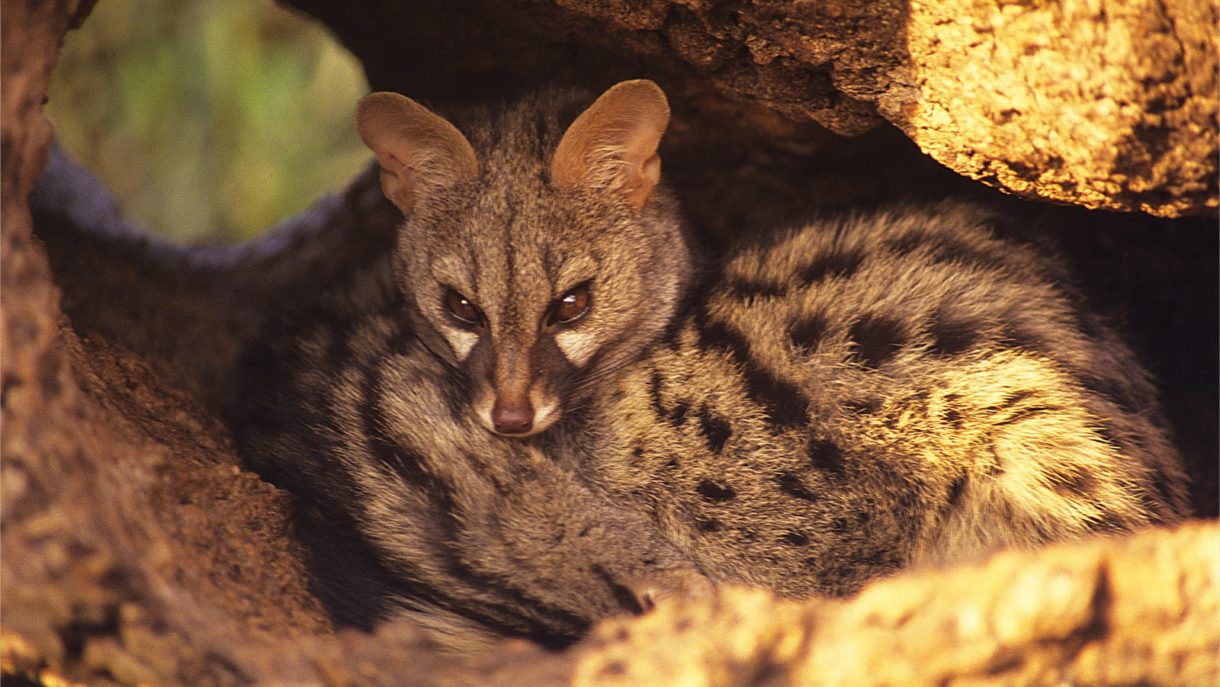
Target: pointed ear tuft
418,151
612,146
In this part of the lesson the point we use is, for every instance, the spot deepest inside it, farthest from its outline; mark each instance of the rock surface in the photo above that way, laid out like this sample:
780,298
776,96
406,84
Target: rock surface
1119,612
1101,104
136,551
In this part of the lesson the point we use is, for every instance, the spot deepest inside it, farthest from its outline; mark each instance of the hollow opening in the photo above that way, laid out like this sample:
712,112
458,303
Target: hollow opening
209,121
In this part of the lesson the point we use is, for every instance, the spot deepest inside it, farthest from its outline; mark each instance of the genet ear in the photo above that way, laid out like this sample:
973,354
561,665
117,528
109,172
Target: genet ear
418,151
612,146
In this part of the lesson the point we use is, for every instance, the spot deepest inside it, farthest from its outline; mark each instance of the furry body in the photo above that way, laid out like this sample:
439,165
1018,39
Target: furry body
853,397
878,391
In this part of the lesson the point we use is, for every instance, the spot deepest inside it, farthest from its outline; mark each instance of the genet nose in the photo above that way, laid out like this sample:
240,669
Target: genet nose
512,419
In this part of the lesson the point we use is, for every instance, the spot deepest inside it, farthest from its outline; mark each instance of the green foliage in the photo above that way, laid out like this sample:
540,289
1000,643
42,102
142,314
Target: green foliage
210,120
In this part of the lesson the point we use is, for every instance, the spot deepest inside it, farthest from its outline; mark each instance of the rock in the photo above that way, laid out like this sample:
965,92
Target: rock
1126,611
135,549
1104,104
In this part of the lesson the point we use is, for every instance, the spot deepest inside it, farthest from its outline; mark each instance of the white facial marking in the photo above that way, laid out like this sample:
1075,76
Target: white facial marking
483,403
461,342
576,346
545,416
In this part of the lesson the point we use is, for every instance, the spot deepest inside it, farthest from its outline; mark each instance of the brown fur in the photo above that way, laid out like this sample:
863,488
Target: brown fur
853,397
880,391
369,406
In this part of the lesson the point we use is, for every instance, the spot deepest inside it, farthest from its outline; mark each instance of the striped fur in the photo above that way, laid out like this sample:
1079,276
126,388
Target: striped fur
845,400
473,535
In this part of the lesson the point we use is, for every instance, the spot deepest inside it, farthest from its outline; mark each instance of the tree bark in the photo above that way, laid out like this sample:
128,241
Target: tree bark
136,550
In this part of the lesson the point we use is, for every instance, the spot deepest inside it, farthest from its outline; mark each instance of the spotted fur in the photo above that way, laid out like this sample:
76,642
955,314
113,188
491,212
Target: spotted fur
907,389
859,395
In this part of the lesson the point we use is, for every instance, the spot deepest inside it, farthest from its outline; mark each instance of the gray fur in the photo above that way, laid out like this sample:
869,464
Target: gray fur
857,396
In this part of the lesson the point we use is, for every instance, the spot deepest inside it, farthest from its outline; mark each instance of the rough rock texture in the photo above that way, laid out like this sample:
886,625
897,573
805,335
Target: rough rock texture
1103,104
135,550
1120,612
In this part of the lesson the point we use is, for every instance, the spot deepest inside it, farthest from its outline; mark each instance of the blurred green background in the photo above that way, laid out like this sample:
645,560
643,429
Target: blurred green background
210,120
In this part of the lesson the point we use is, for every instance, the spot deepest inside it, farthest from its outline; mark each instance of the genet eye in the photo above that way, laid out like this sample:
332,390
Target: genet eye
462,309
571,306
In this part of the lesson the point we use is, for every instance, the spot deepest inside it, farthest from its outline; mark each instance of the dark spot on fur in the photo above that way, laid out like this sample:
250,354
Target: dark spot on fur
677,416
637,452
825,454
996,468
1072,480
795,538
954,417
584,531
959,253
1016,397
716,430
863,406
807,332
709,525
1106,431
951,337
1156,510
1160,482
1009,401
791,485
1026,413
955,491
877,339
713,335
715,492
403,337
943,249
1109,522
672,335
952,414
1014,335
654,393
1112,390
829,265
748,290
672,463
839,525
785,404
907,243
